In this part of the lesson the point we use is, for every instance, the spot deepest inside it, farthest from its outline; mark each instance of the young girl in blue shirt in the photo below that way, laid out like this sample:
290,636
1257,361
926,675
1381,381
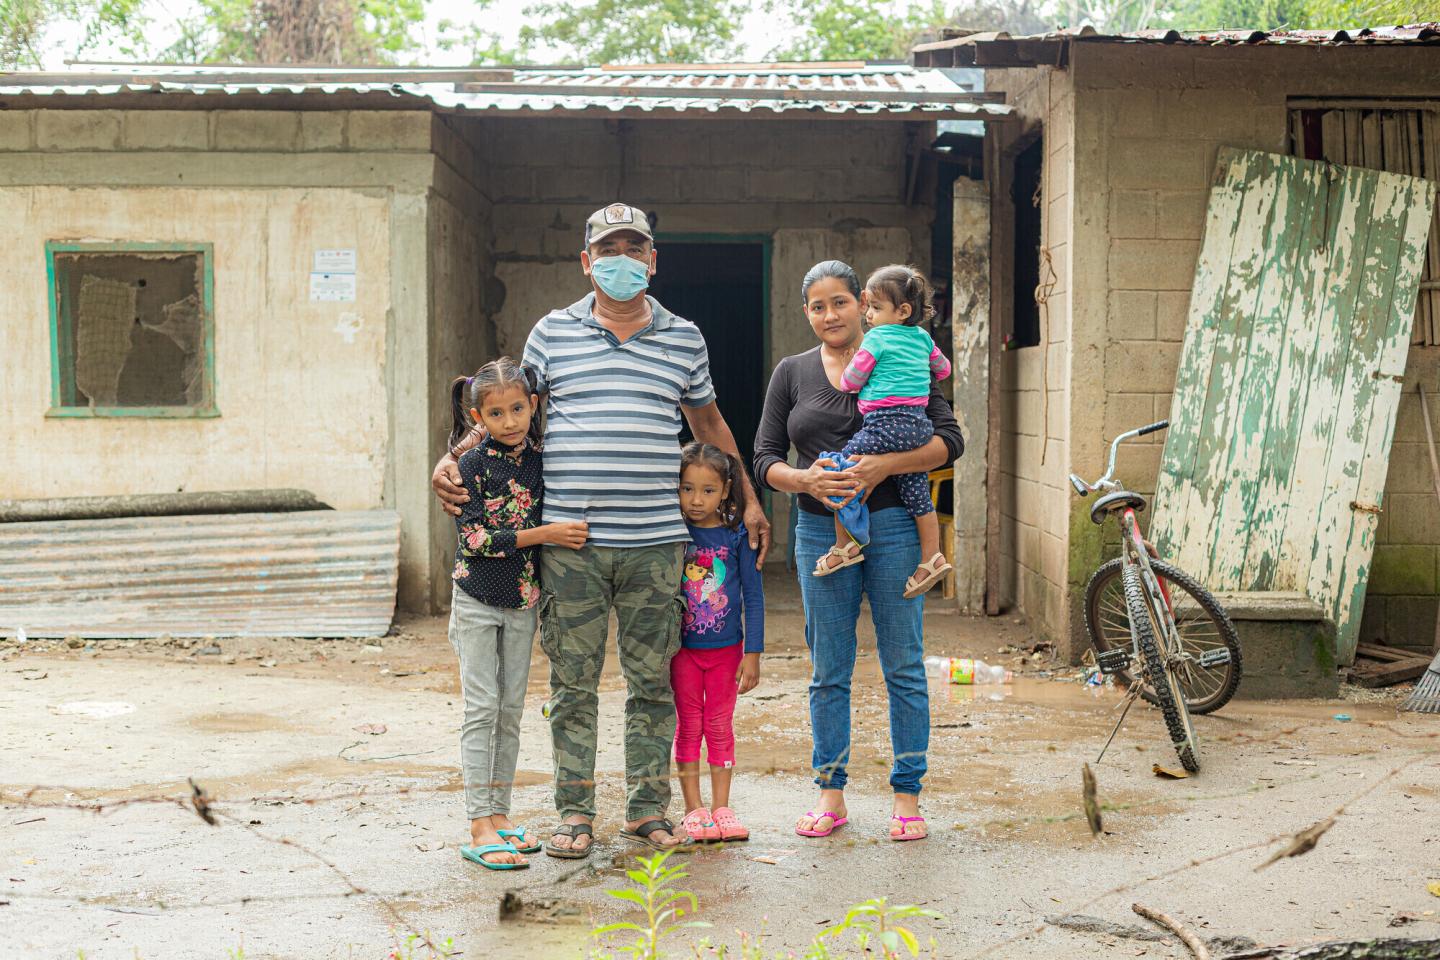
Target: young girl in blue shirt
722,636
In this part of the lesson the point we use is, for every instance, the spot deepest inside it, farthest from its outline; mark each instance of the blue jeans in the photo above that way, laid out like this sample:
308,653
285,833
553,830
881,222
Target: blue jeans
832,607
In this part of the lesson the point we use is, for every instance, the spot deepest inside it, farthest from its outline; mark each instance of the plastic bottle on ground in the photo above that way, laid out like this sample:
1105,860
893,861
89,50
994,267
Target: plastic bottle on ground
965,671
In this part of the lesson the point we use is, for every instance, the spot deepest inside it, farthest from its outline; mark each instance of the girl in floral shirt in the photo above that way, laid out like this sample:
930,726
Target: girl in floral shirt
492,614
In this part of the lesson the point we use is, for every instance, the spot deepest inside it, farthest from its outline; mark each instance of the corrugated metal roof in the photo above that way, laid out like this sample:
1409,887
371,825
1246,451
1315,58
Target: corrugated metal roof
697,88
322,573
1003,49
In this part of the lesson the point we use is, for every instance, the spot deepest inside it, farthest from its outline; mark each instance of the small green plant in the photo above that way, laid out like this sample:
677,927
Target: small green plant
880,921
664,906
875,922
405,949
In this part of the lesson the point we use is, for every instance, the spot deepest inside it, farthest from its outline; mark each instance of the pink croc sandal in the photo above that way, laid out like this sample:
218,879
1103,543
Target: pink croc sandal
902,836
836,822
700,827
729,825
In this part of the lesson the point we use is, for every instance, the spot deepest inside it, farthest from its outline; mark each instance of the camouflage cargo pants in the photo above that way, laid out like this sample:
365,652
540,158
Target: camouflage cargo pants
580,588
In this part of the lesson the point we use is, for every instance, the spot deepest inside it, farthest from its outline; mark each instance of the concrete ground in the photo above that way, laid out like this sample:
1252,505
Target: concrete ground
269,728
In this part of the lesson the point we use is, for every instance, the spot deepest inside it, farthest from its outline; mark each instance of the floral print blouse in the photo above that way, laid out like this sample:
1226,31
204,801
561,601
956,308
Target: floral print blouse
505,487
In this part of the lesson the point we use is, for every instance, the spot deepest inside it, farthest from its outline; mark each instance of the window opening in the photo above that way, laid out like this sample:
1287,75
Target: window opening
132,331
1399,139
1025,194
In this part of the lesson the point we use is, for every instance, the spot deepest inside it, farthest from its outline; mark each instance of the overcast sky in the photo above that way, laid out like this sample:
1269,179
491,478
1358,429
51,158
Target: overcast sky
758,33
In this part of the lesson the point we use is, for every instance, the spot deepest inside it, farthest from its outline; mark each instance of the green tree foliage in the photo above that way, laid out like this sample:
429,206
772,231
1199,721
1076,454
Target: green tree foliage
1323,14
1239,15
881,30
635,31
1259,14
27,28
300,31
854,29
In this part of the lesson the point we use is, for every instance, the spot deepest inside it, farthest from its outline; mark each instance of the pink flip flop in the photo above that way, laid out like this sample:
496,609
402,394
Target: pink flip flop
729,825
835,824
902,836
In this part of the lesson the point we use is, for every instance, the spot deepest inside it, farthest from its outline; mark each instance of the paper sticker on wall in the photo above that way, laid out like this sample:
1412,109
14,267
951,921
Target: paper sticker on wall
334,261
332,287
348,326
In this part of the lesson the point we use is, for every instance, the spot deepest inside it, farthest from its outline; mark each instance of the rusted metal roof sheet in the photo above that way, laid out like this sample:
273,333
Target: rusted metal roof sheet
1049,49
842,88
321,573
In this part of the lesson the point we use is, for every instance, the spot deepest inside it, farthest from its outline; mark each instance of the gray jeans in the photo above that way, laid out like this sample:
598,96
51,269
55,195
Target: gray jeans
494,649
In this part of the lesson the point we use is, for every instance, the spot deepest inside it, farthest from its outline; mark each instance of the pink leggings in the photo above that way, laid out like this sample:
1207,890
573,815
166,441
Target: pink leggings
705,692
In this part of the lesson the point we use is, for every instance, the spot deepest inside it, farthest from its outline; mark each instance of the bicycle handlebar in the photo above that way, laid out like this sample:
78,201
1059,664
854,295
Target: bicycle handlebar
1161,425
1084,489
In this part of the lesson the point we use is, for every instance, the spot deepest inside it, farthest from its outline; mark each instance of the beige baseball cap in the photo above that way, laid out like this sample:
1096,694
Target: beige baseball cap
615,218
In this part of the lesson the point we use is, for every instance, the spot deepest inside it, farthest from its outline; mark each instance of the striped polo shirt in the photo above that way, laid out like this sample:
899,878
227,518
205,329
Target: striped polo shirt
612,427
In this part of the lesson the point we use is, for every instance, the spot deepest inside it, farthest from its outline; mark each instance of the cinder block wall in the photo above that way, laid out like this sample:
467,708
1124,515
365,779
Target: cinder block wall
1035,404
461,263
1149,121
817,189
338,398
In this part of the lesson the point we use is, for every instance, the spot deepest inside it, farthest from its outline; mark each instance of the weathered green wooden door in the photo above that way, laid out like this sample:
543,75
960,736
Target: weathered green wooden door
1290,378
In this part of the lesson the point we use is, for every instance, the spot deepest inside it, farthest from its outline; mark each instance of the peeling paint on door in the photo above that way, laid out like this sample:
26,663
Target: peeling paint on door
1290,378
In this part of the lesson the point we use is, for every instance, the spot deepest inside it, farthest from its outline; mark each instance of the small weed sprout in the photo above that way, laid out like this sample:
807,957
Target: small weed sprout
878,920
874,921
405,949
664,907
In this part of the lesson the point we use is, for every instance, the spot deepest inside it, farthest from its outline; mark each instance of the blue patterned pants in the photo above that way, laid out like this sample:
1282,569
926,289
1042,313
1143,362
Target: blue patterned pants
895,430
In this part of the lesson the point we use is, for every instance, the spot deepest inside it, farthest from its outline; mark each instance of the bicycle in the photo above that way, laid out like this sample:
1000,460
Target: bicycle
1187,647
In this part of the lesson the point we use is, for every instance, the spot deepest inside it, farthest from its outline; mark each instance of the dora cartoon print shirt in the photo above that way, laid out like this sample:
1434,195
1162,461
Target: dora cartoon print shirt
723,590
504,484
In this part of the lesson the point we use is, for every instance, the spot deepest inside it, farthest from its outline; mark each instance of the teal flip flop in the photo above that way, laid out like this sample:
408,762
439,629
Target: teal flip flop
519,834
476,854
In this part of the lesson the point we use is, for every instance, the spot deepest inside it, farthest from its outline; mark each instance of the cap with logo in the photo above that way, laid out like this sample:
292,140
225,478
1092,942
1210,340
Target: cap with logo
615,218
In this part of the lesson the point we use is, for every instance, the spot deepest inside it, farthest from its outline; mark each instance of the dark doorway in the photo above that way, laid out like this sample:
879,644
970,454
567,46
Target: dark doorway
721,288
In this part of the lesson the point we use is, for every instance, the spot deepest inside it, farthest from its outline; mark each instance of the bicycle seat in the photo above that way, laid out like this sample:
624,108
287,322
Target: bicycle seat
1112,502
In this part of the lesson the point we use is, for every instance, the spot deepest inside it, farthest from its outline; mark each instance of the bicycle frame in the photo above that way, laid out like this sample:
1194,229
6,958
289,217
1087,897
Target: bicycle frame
1136,551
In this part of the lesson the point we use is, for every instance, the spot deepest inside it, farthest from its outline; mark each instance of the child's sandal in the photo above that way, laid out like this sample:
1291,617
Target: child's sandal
849,556
700,827
930,573
729,825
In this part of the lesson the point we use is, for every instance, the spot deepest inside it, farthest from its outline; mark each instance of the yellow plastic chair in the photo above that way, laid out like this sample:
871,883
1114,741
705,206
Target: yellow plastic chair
947,526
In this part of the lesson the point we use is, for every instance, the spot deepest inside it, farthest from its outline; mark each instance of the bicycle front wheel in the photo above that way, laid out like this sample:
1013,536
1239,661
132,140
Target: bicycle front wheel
1203,625
1169,696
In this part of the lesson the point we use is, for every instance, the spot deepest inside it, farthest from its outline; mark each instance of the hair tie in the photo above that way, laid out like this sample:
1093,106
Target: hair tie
469,381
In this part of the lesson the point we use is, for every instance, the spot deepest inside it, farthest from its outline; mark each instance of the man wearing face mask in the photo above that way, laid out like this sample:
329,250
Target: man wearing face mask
618,371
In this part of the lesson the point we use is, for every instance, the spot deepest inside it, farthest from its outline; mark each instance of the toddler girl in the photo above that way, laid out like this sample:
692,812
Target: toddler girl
892,371
718,659
492,614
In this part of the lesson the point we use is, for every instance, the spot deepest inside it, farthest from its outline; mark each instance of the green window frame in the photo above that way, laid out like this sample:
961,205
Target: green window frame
62,356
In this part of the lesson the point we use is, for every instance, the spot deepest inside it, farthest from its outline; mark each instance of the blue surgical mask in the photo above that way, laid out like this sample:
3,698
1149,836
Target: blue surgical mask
621,278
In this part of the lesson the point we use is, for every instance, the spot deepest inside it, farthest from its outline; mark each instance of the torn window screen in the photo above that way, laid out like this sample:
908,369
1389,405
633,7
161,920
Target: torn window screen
133,329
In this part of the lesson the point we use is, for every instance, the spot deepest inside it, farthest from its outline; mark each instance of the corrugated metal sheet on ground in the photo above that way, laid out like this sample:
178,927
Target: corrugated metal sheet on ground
904,88
1290,378
321,573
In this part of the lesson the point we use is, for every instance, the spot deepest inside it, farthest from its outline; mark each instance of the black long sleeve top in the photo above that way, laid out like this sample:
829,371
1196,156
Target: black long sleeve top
803,409
505,488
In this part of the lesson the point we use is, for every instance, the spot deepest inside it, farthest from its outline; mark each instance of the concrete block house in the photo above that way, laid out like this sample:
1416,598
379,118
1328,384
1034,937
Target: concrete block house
236,278
1098,190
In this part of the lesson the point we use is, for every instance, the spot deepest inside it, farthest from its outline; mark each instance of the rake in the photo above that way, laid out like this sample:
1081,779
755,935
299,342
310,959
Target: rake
1425,698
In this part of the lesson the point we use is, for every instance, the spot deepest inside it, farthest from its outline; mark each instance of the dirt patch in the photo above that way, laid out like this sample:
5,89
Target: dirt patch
241,723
